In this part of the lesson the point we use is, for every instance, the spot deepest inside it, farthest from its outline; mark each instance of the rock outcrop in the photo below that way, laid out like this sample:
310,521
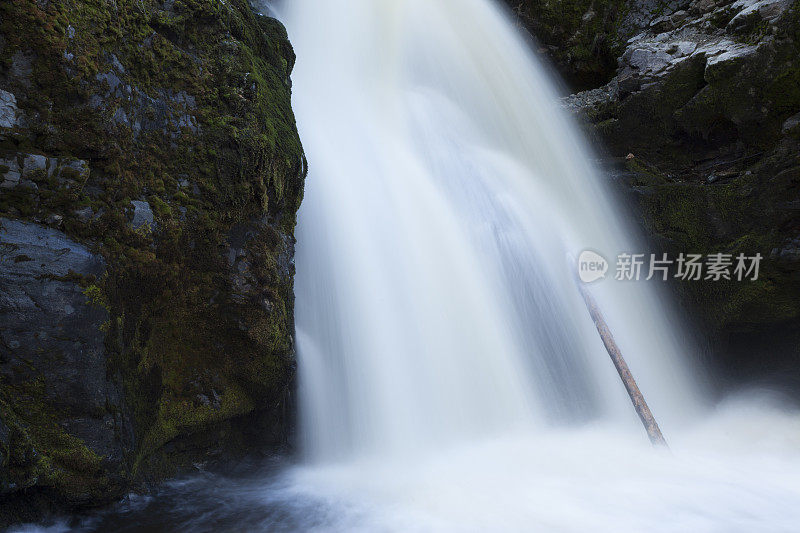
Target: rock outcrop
702,112
150,173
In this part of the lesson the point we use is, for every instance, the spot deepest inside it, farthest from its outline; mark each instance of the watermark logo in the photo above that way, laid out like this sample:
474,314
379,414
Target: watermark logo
687,267
591,266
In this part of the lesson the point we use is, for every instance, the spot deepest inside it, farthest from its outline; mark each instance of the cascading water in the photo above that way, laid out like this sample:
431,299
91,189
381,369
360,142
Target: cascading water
435,295
445,353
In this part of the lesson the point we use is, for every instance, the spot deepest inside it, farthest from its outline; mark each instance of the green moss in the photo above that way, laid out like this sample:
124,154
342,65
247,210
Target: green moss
96,296
42,453
584,35
678,212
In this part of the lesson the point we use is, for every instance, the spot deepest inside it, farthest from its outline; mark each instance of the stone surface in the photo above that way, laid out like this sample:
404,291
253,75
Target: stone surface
46,319
8,110
696,81
50,331
10,172
142,215
792,124
34,163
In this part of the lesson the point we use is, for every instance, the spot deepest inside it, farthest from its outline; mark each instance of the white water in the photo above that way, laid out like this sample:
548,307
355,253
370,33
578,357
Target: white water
450,376
435,296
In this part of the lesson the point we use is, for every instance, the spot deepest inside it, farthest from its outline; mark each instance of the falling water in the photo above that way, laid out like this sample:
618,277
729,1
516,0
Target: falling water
450,377
435,294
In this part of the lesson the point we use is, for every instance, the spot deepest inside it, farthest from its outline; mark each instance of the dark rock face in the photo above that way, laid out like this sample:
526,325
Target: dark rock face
700,112
51,354
46,318
150,173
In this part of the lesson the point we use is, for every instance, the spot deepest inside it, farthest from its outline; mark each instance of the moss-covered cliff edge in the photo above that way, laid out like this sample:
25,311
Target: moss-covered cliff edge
150,172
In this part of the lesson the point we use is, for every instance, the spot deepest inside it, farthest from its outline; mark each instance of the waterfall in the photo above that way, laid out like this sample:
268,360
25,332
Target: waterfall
447,192
451,379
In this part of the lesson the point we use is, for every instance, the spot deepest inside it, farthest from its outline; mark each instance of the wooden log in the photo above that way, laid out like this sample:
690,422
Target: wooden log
649,422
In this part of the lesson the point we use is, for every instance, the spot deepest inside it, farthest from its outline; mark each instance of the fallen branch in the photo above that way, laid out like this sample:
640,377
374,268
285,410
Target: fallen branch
649,422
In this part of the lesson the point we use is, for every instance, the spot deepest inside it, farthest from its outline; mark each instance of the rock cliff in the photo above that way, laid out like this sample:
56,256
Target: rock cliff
150,172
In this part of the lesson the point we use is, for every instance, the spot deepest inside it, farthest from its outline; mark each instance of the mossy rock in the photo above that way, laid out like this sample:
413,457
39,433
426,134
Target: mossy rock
583,37
185,106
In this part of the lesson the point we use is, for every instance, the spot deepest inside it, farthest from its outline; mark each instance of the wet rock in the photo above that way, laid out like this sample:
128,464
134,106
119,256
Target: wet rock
698,7
47,328
54,220
648,59
28,184
142,215
749,13
46,324
669,22
96,101
185,99
113,84
75,170
188,122
116,64
120,117
644,13
8,110
696,81
789,253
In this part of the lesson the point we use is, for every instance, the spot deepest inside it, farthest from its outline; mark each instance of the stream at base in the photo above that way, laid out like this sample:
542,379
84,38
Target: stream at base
737,472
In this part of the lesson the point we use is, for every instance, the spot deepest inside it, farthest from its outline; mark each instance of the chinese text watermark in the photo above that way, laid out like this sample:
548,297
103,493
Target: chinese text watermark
686,267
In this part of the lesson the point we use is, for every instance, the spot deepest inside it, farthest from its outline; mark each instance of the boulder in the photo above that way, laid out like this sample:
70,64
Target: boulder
34,163
108,336
54,377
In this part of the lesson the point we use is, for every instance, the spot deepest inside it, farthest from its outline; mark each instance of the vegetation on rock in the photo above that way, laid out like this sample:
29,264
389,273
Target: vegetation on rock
583,37
168,145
